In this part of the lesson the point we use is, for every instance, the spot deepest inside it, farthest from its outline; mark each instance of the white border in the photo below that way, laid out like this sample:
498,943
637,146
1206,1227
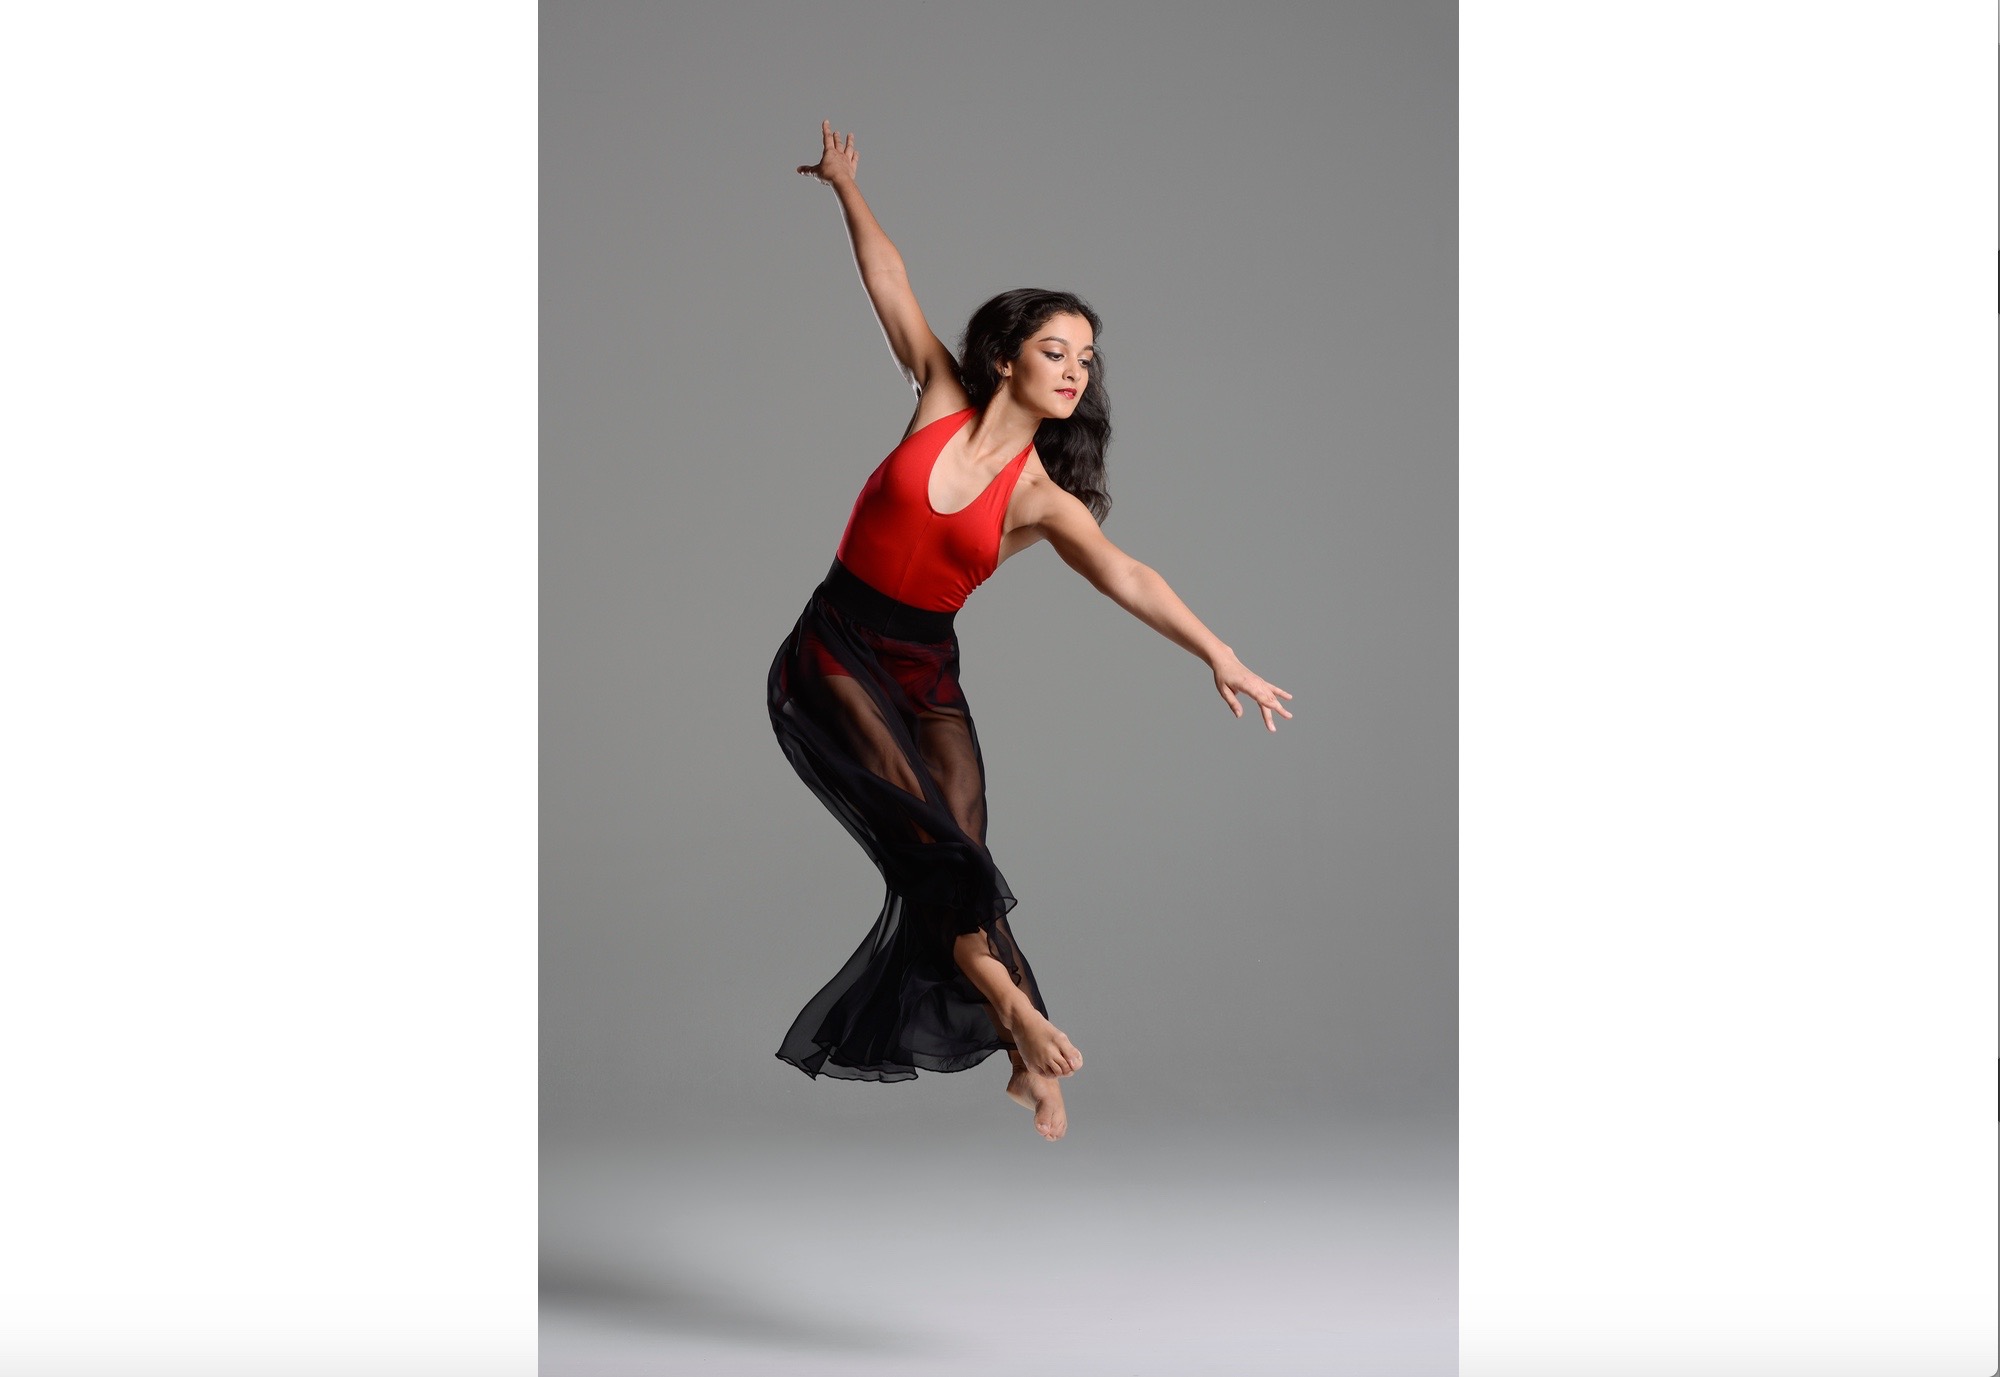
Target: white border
270,764
1728,1011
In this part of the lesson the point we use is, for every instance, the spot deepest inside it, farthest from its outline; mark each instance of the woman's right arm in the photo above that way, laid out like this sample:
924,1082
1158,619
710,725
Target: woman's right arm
922,355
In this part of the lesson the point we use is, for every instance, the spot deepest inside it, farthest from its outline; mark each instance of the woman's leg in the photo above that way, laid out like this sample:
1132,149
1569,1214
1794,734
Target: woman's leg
1042,1045
850,720
861,724
952,757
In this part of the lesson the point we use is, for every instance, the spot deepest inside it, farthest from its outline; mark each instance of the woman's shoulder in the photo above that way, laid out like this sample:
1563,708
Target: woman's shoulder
938,428
944,397
1036,494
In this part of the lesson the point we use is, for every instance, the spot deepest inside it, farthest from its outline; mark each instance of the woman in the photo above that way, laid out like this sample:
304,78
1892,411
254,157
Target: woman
1006,449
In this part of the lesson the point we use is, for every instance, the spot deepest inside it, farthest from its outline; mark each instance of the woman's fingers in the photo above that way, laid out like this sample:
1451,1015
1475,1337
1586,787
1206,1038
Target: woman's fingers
1264,694
1268,702
832,150
1238,680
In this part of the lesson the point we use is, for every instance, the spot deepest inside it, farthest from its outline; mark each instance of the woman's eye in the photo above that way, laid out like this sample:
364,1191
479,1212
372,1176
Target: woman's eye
1047,355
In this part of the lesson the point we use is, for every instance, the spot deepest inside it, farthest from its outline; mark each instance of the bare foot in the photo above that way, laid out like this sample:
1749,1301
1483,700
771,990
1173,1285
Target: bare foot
1046,1048
1043,1094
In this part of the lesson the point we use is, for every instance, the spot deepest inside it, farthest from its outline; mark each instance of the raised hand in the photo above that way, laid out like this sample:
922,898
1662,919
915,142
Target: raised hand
1232,677
836,162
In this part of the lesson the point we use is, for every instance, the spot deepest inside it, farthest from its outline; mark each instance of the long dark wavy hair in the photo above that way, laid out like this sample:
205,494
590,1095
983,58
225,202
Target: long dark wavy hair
1073,450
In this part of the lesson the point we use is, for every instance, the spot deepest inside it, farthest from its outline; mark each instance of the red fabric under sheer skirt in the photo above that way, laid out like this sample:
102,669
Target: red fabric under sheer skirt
865,700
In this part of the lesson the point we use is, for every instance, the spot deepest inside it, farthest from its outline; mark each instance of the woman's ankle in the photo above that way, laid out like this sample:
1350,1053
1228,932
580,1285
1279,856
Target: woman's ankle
1010,1014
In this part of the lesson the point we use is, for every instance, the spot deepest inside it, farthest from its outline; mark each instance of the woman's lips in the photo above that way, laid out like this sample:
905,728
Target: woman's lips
1069,392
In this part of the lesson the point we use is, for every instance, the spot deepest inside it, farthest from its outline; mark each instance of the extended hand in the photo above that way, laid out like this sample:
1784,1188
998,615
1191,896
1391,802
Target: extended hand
835,162
1232,677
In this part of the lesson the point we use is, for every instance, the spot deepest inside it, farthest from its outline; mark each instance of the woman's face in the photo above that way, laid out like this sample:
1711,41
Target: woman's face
1050,374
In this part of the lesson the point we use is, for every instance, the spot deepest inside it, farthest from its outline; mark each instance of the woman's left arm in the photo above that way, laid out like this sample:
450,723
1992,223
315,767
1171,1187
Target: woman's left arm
1140,590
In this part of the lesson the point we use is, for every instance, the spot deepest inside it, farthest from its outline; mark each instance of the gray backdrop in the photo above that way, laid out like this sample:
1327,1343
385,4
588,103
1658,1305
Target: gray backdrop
1251,936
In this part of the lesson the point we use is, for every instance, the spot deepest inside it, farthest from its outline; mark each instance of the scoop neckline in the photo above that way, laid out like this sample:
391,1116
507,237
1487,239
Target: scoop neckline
938,453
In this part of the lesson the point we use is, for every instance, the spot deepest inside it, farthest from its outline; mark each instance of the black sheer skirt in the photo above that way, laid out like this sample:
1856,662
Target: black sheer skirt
866,704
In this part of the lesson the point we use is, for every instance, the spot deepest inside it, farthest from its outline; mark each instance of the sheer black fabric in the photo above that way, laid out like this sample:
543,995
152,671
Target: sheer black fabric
865,700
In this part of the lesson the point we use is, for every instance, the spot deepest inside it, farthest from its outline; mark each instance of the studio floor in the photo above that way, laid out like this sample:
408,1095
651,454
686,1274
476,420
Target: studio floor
840,1250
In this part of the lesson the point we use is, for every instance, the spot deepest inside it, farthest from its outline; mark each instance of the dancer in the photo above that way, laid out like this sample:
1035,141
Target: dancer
1006,449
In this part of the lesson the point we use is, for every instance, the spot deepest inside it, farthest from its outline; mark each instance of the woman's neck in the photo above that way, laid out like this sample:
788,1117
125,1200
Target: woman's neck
1004,427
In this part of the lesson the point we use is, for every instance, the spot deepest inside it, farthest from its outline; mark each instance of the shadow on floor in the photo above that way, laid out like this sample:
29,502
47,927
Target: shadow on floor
663,1304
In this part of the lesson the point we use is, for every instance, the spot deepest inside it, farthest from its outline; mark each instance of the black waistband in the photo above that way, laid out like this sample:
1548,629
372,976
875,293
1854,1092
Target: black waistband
873,608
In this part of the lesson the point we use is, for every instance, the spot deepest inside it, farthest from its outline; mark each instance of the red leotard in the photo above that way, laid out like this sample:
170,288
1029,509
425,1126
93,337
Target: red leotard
897,542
